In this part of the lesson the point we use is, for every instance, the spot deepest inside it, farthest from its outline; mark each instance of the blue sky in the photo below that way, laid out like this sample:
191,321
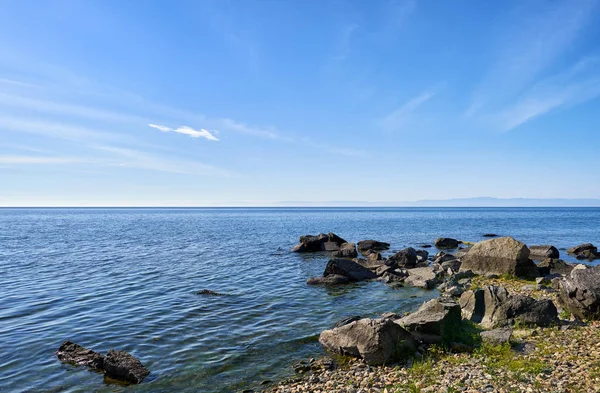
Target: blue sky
256,102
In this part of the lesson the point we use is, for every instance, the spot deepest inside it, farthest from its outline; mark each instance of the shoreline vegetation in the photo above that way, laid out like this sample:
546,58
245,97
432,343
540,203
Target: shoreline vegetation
510,318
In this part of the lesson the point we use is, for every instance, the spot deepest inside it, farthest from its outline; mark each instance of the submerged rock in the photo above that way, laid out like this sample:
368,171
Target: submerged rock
333,279
376,341
208,292
502,255
69,352
124,366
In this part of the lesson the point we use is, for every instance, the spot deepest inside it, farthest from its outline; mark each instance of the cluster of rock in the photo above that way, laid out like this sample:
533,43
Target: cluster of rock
118,365
392,337
585,251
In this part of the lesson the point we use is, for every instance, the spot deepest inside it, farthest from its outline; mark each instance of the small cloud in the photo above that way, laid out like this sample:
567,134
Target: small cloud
399,118
185,130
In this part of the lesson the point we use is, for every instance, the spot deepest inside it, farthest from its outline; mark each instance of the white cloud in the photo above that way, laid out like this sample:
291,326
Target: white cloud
399,118
185,130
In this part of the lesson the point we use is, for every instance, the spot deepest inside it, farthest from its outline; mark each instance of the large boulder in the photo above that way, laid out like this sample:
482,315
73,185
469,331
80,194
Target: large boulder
502,255
346,250
406,258
422,277
446,243
69,352
349,269
540,253
333,279
376,341
580,293
555,266
494,306
581,248
124,366
321,242
433,322
374,245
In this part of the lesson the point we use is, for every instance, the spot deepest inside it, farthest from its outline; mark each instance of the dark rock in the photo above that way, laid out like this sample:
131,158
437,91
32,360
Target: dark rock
347,320
69,352
472,305
310,243
543,252
425,246
373,245
502,255
442,257
332,279
453,265
446,243
555,266
433,321
346,250
490,235
330,246
125,367
581,248
406,258
208,292
547,280
376,341
373,255
496,336
580,293
349,269
422,256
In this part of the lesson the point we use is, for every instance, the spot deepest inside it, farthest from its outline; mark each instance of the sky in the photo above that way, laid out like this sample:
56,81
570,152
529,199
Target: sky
261,102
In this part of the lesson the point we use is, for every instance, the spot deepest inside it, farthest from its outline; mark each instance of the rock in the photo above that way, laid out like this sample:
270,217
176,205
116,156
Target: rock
547,280
69,352
406,258
123,366
580,293
373,255
442,257
425,246
496,336
349,269
543,252
490,235
346,250
310,243
446,243
374,245
433,322
422,255
461,252
502,255
332,279
372,264
208,292
453,265
590,255
380,271
579,267
555,266
422,277
376,341
581,248
472,305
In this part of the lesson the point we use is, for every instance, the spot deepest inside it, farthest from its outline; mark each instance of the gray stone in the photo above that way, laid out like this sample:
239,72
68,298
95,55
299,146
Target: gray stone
331,246
349,269
453,265
580,293
543,252
472,305
332,279
376,341
496,336
422,277
406,258
346,250
554,266
123,366
502,255
433,321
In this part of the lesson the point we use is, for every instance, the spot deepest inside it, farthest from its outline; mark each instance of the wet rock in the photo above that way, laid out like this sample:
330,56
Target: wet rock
543,252
69,352
374,245
376,341
346,250
433,321
332,279
208,292
124,366
406,258
311,243
349,269
580,293
502,255
446,243
496,336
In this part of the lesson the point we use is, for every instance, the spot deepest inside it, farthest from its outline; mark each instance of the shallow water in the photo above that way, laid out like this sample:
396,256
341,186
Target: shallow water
127,278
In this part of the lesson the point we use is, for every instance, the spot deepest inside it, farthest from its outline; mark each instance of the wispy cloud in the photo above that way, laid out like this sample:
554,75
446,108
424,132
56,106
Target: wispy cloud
345,41
400,117
185,130
26,160
12,82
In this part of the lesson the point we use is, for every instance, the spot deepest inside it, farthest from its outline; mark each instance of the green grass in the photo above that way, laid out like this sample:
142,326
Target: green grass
502,357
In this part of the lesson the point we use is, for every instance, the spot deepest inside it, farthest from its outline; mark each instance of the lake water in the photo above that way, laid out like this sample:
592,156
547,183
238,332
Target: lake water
127,278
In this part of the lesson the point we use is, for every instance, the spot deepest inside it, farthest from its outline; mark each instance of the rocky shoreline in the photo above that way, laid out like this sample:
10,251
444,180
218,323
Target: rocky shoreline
510,318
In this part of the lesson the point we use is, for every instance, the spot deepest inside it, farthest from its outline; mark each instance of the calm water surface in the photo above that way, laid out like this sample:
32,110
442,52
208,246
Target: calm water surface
126,279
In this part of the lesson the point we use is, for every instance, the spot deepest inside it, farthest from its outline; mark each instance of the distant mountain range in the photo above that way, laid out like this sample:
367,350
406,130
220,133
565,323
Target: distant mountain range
458,202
